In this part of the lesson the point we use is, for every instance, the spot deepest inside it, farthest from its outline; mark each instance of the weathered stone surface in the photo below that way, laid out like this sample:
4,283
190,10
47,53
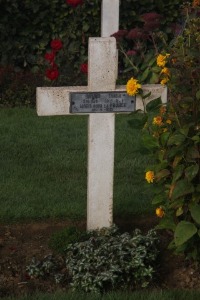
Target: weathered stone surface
109,17
55,100
52,101
102,64
101,128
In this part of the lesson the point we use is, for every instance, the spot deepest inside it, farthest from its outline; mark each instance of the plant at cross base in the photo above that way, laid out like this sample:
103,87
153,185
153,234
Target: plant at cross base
172,132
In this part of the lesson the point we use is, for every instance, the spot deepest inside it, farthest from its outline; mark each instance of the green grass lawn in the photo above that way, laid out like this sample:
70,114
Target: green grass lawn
43,167
159,295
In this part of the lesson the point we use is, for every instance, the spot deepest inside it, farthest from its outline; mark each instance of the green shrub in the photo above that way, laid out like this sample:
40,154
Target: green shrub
172,133
18,88
60,240
27,27
111,260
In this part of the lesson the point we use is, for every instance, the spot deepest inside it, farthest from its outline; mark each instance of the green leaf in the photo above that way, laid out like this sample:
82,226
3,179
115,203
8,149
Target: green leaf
144,75
198,94
137,123
158,199
179,211
192,153
162,174
150,142
183,232
156,69
182,187
191,172
146,96
195,213
166,223
153,105
176,139
154,78
164,138
178,171
85,27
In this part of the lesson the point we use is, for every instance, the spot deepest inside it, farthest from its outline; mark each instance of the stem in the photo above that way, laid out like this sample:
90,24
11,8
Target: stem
154,43
130,61
144,104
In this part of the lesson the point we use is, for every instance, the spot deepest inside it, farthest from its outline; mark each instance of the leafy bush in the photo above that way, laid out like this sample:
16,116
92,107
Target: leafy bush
47,267
24,46
60,240
110,260
18,88
172,132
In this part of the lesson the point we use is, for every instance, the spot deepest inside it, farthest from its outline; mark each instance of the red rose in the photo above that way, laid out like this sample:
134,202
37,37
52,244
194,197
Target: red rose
52,74
74,3
50,56
84,68
56,44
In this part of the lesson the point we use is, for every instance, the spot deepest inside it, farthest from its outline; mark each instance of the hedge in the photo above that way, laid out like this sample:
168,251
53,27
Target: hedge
27,26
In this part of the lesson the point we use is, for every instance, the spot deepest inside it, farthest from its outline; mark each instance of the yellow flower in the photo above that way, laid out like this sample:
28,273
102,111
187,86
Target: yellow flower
164,80
161,60
162,110
157,120
149,176
165,129
132,87
165,71
196,3
160,212
169,122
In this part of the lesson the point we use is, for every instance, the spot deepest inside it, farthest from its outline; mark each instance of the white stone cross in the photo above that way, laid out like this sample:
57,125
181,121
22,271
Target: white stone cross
102,73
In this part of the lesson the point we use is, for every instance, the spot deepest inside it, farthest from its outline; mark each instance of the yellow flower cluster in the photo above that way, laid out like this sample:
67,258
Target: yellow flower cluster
132,87
149,176
160,212
162,60
165,71
157,120
164,80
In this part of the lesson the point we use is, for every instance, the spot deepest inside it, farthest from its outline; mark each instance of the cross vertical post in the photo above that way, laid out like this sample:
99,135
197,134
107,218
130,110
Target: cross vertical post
101,131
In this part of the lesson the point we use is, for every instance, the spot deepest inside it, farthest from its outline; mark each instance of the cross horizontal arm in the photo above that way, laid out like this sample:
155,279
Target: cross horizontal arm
52,101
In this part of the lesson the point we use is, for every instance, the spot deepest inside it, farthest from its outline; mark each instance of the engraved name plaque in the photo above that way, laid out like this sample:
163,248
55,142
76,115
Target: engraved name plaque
101,102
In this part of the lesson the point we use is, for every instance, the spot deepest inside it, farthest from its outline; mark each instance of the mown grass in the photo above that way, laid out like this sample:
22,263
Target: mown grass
158,295
43,167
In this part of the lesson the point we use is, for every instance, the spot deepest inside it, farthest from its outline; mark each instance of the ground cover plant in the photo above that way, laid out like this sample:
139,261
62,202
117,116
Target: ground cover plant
102,261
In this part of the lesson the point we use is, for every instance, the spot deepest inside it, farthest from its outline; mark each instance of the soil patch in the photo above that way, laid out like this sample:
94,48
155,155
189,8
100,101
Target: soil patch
19,243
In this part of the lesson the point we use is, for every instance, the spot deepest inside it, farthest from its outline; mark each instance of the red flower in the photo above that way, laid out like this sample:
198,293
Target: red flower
74,3
137,33
52,74
131,52
56,44
151,21
120,34
84,68
50,56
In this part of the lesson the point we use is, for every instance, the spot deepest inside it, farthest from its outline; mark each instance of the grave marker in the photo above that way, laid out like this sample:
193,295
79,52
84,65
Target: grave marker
102,69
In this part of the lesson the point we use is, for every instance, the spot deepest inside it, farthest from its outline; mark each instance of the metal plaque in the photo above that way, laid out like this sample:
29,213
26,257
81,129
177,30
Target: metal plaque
101,102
